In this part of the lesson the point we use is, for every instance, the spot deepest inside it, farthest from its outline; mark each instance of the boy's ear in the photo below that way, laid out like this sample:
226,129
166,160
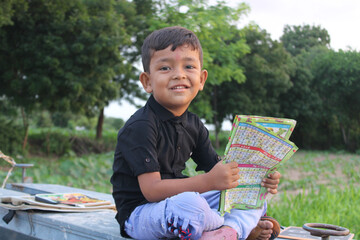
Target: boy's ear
203,77
145,81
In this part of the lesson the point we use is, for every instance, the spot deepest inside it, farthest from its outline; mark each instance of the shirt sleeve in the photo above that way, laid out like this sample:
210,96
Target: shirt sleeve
205,155
137,145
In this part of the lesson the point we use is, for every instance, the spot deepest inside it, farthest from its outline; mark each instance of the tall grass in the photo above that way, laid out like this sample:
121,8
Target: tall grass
91,172
319,187
337,206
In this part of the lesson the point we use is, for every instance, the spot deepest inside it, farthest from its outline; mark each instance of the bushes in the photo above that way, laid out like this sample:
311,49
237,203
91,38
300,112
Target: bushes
59,142
223,140
50,143
11,137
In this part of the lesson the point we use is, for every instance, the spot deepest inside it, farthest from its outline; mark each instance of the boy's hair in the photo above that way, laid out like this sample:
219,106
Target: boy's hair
163,38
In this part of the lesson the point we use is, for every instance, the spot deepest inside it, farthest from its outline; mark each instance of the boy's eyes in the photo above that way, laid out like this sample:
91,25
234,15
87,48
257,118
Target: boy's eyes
166,68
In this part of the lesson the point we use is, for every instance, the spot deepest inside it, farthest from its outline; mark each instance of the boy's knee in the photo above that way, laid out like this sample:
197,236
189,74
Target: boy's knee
191,207
189,200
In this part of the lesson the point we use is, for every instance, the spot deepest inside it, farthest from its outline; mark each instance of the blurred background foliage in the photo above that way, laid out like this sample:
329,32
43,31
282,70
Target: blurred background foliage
62,62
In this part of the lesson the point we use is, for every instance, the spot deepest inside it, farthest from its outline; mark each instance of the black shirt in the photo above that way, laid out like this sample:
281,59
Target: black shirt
153,140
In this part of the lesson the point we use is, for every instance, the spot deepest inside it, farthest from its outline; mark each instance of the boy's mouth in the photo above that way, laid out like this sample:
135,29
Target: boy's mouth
179,87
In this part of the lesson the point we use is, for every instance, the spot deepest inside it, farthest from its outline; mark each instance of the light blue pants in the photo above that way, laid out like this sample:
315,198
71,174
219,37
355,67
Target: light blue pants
189,210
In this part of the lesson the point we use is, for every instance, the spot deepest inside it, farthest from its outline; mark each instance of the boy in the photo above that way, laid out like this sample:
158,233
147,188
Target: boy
153,198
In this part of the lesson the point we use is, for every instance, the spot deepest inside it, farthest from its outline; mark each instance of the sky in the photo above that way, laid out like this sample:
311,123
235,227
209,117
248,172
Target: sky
339,17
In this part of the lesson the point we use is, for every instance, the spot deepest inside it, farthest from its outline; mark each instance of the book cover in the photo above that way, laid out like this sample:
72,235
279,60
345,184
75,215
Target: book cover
29,203
259,145
72,199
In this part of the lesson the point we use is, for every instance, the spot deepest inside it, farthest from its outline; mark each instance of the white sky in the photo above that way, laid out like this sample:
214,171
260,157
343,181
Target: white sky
339,17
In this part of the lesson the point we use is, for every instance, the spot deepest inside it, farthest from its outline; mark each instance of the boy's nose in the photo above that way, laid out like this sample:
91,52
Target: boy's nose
179,74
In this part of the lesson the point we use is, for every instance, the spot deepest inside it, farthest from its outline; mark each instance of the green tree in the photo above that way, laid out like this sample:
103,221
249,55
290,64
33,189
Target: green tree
137,16
302,101
138,21
299,38
62,55
338,82
267,69
8,8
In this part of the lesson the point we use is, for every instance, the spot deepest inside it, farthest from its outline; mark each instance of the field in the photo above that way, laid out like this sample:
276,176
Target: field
319,187
315,186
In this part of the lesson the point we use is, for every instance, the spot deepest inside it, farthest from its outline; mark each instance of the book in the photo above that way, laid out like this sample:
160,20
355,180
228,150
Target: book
28,202
259,145
72,199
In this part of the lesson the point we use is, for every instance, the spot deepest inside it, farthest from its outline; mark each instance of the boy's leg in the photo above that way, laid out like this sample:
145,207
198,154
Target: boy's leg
186,214
243,221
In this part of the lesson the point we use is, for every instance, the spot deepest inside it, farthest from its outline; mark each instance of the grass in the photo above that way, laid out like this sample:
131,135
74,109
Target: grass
91,172
320,187
315,186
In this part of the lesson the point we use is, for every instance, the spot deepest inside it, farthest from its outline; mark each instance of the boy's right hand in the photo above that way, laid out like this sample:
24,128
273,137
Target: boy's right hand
224,176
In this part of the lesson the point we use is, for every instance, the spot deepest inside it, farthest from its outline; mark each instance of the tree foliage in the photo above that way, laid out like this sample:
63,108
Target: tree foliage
267,69
9,8
73,57
62,55
303,101
299,38
338,82
323,98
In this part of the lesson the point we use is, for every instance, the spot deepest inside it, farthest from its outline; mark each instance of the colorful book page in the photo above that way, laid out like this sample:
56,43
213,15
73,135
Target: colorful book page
255,145
74,199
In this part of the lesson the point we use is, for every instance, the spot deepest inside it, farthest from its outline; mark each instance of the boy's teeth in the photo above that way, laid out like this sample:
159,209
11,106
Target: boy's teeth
178,87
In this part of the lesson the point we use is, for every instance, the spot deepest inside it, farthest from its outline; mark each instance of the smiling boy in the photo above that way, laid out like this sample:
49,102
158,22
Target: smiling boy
153,198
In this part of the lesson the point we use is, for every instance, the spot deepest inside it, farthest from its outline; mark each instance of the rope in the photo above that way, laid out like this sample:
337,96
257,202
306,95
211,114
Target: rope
12,162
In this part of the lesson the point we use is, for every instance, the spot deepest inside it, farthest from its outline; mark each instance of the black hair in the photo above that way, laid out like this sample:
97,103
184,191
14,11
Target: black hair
170,36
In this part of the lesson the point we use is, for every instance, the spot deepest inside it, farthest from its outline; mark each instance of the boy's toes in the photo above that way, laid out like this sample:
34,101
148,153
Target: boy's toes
267,228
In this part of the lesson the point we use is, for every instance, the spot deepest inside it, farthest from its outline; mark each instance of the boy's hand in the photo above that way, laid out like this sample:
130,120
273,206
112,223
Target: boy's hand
271,182
224,176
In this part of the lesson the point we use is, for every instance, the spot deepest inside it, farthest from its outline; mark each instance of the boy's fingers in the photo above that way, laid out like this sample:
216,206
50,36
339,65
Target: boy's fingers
233,164
272,191
272,185
271,181
234,172
275,175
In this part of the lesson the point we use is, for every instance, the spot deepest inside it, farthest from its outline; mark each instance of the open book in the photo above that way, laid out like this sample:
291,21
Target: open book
259,145
59,202
72,199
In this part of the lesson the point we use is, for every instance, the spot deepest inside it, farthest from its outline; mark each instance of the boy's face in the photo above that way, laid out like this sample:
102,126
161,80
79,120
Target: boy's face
175,78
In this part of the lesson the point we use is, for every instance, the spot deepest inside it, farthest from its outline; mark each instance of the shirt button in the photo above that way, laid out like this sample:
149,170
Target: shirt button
147,160
178,147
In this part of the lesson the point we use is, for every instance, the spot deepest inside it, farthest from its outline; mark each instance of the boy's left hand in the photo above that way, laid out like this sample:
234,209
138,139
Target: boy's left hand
271,182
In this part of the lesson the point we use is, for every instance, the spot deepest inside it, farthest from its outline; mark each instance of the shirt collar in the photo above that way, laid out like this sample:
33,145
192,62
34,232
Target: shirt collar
165,114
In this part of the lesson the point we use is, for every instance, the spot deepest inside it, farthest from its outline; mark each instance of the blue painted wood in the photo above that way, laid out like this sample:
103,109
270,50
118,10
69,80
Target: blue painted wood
55,225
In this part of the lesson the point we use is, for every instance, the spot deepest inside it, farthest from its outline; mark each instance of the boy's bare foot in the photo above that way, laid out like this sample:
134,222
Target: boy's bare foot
267,228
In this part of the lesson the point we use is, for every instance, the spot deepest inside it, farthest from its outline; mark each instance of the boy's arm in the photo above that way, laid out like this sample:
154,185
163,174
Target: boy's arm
222,176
